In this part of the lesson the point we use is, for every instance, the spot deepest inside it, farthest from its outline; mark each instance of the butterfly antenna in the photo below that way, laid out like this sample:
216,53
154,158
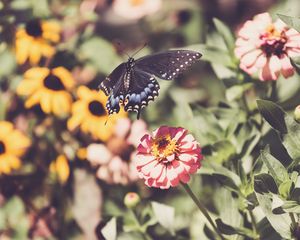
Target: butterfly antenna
145,44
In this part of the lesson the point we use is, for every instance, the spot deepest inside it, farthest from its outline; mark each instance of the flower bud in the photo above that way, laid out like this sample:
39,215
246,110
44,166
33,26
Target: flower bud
297,113
131,199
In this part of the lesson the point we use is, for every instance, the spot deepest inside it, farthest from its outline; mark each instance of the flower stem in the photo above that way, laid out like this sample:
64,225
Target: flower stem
254,228
201,208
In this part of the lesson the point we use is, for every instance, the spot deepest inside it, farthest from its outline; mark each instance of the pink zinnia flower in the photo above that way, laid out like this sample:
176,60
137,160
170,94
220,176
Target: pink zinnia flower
265,47
115,159
168,157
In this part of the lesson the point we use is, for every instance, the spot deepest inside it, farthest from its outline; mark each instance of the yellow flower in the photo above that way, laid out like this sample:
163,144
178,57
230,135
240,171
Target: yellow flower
48,87
35,40
60,167
90,114
13,145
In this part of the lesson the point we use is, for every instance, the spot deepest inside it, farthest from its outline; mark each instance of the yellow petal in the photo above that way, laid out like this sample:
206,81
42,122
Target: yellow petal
22,49
62,168
5,129
65,76
83,92
34,99
4,164
74,122
36,73
45,102
27,87
16,143
35,53
14,162
47,50
81,153
65,100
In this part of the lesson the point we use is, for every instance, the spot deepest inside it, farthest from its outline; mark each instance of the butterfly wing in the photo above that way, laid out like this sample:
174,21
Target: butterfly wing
115,78
168,65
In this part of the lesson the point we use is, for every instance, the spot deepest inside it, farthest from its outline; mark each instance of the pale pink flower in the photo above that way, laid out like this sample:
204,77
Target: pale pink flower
135,9
265,47
115,159
168,157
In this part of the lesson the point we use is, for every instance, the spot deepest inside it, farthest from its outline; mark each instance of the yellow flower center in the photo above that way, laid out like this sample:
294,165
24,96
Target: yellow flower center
54,83
34,29
2,147
163,147
136,2
96,108
272,32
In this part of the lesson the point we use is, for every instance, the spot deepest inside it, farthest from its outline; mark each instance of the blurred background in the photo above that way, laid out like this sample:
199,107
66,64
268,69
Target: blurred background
73,172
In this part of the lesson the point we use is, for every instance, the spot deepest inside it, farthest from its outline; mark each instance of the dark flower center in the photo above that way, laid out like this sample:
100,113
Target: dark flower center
34,28
2,147
53,82
276,48
162,143
96,108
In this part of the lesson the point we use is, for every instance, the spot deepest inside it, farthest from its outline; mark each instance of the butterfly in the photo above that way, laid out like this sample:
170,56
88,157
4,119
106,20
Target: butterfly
133,84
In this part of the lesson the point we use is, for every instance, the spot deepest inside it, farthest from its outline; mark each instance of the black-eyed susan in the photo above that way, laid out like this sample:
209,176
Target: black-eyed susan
60,168
13,145
90,114
36,40
49,88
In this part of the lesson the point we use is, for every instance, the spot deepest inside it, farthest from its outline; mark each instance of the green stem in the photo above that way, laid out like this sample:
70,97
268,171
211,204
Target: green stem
201,208
253,222
294,222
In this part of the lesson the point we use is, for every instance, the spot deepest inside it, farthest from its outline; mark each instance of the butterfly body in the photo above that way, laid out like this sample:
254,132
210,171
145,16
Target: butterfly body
133,84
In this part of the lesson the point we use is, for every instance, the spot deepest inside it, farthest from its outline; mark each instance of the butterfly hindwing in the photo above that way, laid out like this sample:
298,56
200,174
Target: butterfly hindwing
168,65
143,89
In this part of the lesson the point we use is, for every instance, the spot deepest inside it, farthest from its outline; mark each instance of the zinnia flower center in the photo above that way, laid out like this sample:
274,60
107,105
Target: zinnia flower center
96,108
136,2
274,42
34,28
2,147
53,82
163,147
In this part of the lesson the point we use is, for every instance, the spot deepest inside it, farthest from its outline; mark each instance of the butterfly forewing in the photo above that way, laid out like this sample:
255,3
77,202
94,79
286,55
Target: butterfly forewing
110,82
168,65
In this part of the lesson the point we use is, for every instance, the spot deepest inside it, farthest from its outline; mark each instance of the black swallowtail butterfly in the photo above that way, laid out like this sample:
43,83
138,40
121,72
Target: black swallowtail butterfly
133,83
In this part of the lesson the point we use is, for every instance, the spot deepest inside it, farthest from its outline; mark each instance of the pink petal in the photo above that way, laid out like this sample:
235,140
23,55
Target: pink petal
122,127
250,58
287,69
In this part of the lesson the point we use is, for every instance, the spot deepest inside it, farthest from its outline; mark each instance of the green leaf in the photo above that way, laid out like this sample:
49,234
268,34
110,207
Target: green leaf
100,53
264,183
226,181
225,33
165,215
212,54
273,114
293,22
222,151
281,223
236,92
275,168
285,188
229,230
291,207
109,231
